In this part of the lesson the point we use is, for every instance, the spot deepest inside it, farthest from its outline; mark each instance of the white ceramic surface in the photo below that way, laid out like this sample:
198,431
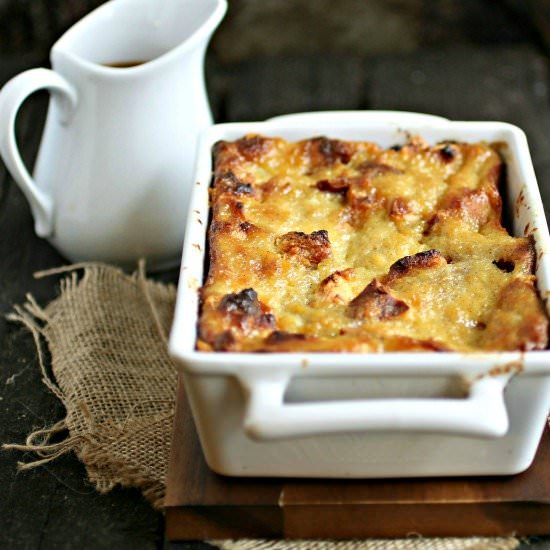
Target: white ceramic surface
365,415
113,174
352,118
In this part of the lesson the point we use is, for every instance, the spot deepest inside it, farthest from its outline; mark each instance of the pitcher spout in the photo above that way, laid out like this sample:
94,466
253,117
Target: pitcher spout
152,31
186,24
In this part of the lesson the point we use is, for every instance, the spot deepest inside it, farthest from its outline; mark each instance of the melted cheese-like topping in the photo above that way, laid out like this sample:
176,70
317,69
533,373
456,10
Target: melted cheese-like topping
325,245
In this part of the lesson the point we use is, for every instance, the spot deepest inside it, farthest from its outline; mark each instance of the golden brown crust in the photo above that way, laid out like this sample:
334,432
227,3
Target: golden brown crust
376,302
326,152
240,314
309,249
336,287
518,321
326,245
409,264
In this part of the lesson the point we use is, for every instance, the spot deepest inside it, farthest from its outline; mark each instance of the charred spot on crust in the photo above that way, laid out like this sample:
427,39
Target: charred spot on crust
247,227
407,264
310,249
243,189
223,341
396,147
266,320
338,185
345,184
331,151
425,259
253,147
333,278
279,336
361,195
505,265
244,302
229,182
447,153
245,312
376,302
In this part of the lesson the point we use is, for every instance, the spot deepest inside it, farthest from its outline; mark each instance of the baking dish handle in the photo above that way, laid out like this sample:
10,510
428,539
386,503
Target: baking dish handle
482,414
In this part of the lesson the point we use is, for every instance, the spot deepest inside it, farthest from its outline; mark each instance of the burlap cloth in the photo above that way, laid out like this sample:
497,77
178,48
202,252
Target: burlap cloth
106,335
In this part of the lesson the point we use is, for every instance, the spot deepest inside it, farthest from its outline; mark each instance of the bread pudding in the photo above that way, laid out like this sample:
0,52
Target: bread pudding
340,246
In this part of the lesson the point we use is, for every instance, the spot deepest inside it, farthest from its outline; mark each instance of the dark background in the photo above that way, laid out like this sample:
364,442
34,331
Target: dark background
465,59
254,28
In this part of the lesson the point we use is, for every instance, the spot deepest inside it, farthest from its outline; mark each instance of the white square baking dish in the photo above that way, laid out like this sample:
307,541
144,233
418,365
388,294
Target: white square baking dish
365,415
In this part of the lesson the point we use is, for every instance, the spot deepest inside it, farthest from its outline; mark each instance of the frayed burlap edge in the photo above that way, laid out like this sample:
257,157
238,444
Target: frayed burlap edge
104,471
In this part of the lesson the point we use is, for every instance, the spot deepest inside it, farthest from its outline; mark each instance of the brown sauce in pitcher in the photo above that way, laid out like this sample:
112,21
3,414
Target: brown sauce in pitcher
124,64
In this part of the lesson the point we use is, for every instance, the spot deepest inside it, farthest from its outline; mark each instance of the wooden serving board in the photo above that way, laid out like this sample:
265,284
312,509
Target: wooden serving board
203,505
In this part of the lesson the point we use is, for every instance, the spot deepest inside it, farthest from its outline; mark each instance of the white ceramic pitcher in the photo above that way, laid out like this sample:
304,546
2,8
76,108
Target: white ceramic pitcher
113,173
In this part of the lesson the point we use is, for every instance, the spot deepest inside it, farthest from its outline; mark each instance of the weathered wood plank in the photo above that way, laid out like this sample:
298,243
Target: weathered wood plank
506,83
270,87
24,402
202,504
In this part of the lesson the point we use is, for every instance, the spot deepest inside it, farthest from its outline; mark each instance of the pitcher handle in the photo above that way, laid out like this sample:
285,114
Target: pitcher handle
12,95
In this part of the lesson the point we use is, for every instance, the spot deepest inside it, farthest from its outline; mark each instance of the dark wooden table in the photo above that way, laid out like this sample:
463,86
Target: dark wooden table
53,506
